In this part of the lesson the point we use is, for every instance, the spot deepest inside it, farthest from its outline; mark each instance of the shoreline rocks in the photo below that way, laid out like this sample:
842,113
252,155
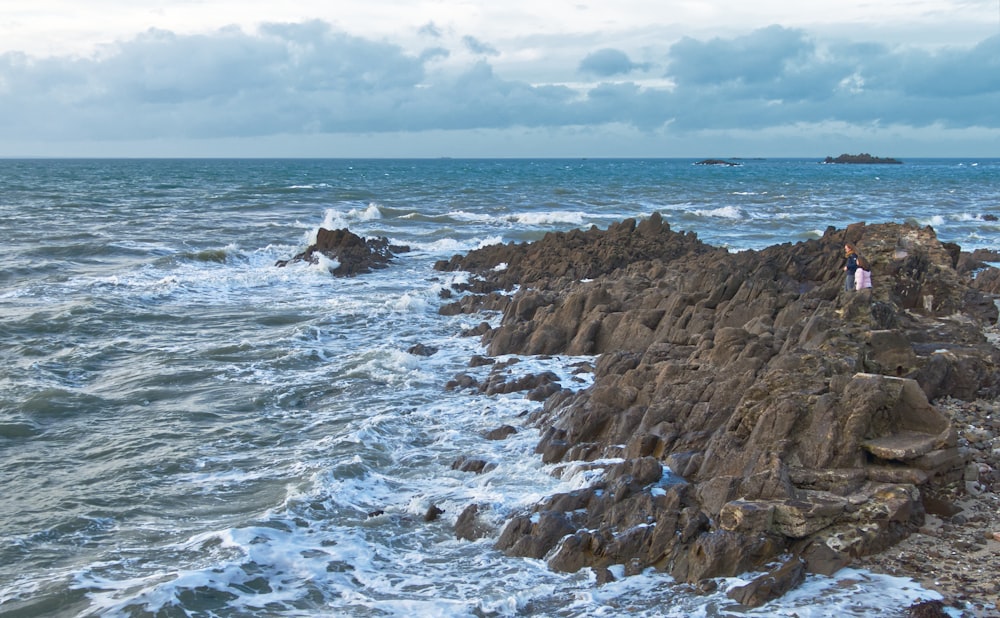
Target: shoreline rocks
748,406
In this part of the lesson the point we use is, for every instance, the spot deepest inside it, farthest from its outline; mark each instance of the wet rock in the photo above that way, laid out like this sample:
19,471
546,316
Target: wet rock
500,433
471,526
794,416
422,350
476,465
498,383
461,381
432,513
771,585
927,609
352,254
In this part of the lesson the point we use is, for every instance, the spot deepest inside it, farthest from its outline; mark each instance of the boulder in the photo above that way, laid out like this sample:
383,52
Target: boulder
770,585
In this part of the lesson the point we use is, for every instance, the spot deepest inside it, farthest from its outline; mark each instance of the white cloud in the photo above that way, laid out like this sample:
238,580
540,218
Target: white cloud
218,70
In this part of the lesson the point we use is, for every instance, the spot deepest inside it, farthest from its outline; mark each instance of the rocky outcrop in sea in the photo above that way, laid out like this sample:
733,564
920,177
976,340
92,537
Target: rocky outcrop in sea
863,158
746,412
350,254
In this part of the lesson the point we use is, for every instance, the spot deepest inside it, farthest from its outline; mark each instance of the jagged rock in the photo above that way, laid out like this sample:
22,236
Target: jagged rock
465,463
461,381
793,416
422,350
352,253
927,609
471,526
771,585
432,513
500,433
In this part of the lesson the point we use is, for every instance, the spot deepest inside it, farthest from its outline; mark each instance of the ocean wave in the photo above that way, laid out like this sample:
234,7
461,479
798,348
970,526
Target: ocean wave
334,219
549,218
723,212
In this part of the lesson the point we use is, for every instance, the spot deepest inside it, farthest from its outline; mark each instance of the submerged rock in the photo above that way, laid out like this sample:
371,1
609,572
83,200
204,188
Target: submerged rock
794,417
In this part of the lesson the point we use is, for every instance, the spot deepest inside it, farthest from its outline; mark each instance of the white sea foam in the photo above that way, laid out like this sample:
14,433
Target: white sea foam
723,212
409,302
489,241
934,221
549,218
462,215
448,246
325,263
335,219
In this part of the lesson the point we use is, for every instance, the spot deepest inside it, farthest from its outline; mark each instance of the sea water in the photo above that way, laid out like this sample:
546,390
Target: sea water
188,430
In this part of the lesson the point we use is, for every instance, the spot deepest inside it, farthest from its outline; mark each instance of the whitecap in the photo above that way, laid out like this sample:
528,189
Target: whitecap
325,263
444,245
408,303
490,241
372,213
935,221
723,212
549,218
461,215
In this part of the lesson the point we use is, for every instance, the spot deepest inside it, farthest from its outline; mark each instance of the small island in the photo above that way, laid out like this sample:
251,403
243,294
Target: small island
718,162
862,158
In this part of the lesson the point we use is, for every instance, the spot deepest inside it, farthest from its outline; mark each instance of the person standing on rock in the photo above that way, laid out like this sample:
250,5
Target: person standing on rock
851,267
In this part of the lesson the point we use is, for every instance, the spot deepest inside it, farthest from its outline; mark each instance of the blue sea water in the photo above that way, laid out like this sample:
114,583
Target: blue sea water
188,430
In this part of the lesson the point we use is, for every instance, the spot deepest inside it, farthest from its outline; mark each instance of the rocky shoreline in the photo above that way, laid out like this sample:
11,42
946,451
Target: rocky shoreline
804,427
957,550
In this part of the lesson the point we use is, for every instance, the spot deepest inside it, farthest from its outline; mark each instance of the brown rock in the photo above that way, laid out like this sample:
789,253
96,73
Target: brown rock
799,415
354,254
470,526
500,433
771,585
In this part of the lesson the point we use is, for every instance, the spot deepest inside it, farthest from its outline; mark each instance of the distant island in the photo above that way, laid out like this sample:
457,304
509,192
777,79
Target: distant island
861,158
718,162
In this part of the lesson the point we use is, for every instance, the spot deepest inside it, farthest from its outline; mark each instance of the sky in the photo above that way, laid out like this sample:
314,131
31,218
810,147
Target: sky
518,78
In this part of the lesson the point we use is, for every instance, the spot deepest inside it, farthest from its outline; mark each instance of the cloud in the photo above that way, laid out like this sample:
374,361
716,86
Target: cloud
431,29
476,46
777,75
308,78
609,62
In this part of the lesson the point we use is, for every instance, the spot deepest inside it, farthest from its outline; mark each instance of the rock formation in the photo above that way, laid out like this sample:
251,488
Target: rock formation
744,407
719,162
861,158
352,254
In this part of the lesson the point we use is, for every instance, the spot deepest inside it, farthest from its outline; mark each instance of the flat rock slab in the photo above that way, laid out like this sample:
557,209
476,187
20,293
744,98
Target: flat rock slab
902,446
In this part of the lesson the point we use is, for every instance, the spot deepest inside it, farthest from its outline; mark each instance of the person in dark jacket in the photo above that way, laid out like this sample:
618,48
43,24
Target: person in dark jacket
851,266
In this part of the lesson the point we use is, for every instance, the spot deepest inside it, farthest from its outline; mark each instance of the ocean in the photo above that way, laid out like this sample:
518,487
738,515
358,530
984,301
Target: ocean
188,430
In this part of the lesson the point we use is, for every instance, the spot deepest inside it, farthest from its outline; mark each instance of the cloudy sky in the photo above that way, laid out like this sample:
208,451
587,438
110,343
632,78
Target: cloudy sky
428,78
